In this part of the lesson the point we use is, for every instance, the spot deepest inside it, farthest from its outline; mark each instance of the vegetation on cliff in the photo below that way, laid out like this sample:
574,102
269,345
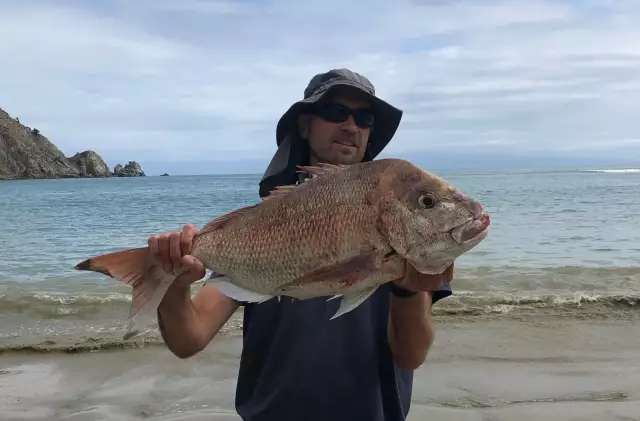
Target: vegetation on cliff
26,154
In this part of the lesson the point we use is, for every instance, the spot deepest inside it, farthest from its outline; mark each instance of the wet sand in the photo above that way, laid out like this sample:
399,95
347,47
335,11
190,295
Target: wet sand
547,369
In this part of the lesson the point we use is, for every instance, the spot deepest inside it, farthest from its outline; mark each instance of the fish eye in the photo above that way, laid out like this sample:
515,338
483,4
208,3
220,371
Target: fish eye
427,200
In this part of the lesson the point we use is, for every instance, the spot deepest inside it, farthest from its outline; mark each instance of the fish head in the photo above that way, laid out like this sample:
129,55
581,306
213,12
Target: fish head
427,220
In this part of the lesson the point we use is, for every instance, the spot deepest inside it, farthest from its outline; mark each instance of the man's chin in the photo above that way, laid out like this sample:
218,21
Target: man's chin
347,159
347,156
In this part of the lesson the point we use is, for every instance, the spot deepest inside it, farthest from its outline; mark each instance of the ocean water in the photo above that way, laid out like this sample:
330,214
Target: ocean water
562,244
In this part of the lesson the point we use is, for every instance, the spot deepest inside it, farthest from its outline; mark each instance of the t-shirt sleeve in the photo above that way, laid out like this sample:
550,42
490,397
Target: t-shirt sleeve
443,292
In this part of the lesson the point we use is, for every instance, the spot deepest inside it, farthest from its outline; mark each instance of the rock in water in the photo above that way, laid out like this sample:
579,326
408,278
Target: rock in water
131,169
90,164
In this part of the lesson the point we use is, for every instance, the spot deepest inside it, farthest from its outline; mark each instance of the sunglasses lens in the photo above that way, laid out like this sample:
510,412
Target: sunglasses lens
334,113
363,118
337,114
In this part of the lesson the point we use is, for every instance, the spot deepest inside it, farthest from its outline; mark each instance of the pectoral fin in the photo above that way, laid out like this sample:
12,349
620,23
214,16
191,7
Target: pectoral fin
350,271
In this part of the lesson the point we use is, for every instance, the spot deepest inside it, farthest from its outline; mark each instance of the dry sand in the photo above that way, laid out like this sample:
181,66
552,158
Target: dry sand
551,369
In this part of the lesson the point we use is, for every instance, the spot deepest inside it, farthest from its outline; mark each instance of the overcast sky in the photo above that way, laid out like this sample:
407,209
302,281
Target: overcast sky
173,82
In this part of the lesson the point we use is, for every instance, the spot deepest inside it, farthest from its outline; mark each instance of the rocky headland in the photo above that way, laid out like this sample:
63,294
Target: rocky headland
27,154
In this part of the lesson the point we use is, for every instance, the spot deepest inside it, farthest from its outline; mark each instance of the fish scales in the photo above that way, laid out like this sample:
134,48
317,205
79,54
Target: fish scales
343,233
273,244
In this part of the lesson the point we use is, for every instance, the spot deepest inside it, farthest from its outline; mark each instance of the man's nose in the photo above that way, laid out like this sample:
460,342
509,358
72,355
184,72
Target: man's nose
350,124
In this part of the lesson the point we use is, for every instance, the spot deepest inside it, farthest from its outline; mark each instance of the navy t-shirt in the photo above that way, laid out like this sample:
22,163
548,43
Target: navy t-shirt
296,364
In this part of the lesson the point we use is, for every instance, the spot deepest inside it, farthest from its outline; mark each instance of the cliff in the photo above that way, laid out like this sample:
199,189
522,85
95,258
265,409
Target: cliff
25,153
90,164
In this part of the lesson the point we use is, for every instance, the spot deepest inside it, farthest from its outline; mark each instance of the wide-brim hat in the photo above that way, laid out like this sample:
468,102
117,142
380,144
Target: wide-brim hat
387,119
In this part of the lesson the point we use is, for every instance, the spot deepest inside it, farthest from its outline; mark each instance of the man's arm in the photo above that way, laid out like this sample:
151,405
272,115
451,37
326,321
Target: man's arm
187,325
411,327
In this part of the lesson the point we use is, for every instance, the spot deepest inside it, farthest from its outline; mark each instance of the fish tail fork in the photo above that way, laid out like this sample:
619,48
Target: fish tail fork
137,268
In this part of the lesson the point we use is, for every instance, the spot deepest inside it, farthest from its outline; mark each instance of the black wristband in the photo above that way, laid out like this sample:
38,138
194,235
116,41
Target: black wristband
401,292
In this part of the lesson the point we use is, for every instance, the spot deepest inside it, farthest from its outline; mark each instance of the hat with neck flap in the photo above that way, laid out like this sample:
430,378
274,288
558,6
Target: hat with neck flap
293,150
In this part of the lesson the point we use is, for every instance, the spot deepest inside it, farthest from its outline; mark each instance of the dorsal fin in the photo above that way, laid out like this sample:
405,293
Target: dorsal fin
320,168
219,222
280,190
314,170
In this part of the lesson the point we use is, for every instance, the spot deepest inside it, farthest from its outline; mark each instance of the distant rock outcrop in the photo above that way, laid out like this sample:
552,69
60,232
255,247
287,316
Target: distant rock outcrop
131,169
90,164
25,153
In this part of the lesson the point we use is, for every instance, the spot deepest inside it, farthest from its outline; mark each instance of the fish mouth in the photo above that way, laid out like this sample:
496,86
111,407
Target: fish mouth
475,229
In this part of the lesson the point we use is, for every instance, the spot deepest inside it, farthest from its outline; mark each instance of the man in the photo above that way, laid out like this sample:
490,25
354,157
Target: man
296,363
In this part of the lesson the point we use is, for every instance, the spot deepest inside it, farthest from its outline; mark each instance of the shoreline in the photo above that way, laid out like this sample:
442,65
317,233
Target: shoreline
489,369
75,322
110,339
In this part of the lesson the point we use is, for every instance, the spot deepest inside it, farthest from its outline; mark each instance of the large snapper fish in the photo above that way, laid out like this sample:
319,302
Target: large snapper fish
342,233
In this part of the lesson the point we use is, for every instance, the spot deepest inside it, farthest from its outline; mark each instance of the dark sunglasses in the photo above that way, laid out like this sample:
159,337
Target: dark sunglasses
336,113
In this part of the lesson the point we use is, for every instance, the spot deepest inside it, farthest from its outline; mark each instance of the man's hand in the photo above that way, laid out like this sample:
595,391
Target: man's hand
416,281
172,250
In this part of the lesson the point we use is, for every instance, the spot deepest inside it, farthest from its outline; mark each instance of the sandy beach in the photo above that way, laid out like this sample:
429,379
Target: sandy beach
488,370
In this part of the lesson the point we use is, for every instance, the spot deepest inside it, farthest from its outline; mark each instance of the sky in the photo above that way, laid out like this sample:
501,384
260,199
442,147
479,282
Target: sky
197,86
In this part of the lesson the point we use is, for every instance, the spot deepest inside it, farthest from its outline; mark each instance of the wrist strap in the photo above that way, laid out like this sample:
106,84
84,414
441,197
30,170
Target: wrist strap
401,292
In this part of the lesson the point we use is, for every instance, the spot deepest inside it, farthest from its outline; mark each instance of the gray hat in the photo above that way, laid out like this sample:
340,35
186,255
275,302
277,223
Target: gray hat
292,152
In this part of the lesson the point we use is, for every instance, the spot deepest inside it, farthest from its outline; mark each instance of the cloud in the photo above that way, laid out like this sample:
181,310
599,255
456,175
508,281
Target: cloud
170,80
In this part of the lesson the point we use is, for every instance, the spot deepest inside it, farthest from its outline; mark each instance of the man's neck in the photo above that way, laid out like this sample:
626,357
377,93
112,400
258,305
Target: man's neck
313,159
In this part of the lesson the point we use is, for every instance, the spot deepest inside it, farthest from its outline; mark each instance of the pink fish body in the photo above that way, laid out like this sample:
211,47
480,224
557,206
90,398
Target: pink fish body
342,233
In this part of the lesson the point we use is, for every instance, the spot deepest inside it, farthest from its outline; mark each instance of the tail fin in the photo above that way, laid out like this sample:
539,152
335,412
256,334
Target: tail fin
135,267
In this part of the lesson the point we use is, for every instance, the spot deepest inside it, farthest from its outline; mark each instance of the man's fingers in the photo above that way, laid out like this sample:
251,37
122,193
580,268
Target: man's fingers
152,242
163,251
186,239
169,247
175,254
193,265
194,271
417,281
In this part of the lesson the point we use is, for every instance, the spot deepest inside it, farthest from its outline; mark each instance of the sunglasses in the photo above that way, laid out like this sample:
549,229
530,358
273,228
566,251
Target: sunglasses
336,113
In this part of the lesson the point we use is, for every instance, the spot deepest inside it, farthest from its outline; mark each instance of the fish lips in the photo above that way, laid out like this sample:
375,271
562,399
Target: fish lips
474,230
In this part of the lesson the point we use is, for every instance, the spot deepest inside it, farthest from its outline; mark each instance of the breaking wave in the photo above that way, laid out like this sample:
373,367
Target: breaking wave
462,302
62,305
69,317
580,305
624,170
462,306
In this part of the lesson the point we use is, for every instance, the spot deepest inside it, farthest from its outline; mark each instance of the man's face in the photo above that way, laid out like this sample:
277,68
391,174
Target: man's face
337,142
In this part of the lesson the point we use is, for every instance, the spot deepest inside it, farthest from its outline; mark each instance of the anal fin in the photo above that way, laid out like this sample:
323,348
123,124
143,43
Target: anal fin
236,292
351,301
